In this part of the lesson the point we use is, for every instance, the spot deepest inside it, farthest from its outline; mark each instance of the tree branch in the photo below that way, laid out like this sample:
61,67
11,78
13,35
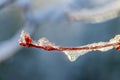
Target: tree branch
72,52
96,15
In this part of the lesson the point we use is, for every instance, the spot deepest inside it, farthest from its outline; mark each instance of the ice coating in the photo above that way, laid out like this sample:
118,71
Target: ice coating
74,54
71,52
45,42
116,39
22,37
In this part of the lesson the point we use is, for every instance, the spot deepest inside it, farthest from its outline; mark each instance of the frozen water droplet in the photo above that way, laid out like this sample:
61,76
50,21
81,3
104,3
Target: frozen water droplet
73,55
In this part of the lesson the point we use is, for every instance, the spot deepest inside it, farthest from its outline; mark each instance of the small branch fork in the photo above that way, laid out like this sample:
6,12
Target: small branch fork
26,40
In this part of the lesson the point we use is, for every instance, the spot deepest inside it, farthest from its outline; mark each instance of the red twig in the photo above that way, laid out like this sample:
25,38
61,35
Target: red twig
72,52
28,42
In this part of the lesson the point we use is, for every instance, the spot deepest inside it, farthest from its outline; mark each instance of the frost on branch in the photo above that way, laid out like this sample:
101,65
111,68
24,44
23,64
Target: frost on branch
72,52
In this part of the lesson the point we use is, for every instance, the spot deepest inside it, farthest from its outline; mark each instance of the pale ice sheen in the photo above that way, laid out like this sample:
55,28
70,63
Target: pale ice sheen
22,36
100,44
116,39
45,42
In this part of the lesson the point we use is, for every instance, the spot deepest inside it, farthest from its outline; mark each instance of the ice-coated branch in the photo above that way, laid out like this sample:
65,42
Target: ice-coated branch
96,15
72,52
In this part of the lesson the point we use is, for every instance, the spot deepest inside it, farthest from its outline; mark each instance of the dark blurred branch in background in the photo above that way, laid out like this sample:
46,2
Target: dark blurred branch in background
9,47
96,15
5,3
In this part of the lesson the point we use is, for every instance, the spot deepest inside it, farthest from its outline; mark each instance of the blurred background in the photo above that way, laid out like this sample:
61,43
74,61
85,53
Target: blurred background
46,18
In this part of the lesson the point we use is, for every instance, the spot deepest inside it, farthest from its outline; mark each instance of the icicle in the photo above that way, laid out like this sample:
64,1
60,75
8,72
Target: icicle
73,55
